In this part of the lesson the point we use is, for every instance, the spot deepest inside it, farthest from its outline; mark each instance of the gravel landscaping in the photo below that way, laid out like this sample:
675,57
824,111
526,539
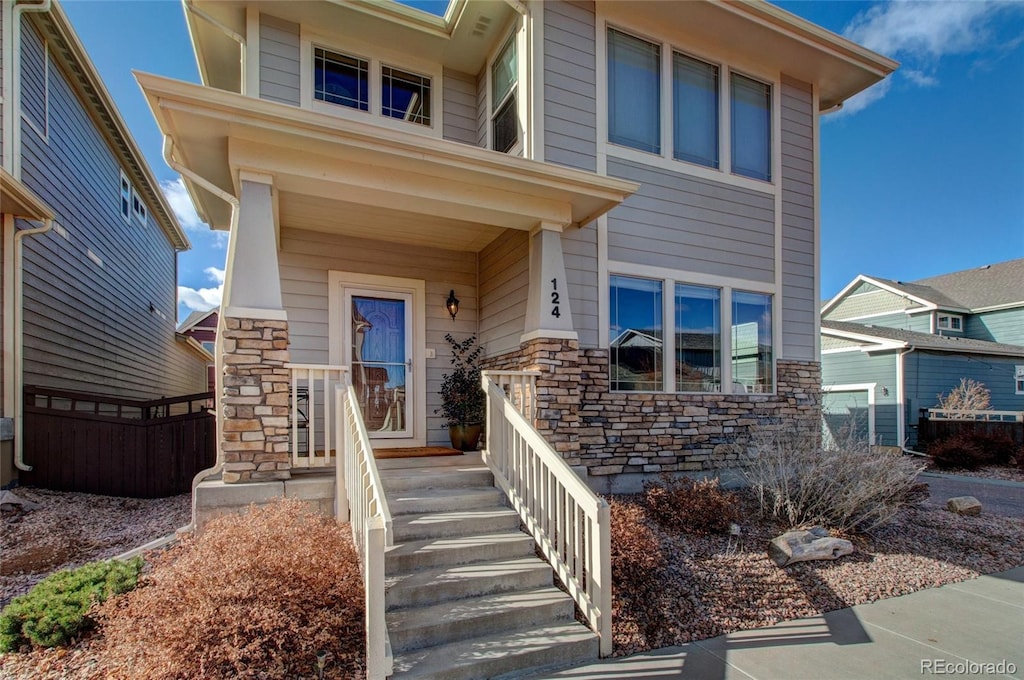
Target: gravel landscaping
1010,473
711,586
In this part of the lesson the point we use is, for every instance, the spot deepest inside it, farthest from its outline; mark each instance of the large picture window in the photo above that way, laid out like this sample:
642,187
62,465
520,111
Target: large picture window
751,128
698,339
752,360
695,110
637,334
634,92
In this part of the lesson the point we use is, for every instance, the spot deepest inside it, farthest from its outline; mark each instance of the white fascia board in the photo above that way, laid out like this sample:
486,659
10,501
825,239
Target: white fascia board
878,343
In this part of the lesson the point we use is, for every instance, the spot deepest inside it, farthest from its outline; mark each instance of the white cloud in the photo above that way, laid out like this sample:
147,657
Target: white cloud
203,299
181,204
920,34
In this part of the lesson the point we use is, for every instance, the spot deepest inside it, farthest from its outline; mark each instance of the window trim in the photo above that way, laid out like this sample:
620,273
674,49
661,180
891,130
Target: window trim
377,58
514,34
140,212
666,160
1018,379
727,286
124,194
949,322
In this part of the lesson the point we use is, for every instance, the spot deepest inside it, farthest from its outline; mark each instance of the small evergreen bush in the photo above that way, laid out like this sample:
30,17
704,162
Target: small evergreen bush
696,507
56,610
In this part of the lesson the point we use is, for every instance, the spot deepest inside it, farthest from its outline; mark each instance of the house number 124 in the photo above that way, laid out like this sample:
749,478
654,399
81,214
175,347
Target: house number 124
555,299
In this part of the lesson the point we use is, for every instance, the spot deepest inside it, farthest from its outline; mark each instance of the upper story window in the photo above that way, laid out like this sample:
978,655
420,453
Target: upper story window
138,207
504,91
950,322
341,79
405,95
126,198
710,107
1018,379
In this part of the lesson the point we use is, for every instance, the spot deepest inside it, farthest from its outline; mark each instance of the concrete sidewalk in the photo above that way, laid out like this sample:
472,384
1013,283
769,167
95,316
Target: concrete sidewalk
913,636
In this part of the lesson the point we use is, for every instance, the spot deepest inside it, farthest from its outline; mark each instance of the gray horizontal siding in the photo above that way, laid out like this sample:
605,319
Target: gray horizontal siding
280,77
579,250
868,299
680,222
88,325
1005,325
799,232
460,107
504,287
570,85
482,117
307,257
850,368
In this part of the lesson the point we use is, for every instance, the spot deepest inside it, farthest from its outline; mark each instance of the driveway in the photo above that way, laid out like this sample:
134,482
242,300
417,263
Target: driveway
997,496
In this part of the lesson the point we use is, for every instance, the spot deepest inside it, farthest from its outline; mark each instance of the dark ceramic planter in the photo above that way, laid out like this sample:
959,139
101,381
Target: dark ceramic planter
465,437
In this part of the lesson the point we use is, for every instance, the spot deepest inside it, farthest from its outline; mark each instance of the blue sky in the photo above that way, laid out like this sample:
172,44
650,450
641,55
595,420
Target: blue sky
922,175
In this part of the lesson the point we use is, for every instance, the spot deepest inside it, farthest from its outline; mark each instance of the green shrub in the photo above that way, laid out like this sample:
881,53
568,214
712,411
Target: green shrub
56,610
696,507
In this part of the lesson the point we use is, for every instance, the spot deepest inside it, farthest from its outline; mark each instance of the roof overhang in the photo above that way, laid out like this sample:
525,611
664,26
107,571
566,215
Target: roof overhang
400,181
926,305
765,35
869,343
195,346
18,200
460,40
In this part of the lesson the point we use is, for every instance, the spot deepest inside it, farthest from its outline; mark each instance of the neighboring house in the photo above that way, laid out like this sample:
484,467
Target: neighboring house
89,243
201,327
568,169
889,348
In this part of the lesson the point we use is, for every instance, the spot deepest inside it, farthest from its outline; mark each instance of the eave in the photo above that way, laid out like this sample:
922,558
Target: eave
18,200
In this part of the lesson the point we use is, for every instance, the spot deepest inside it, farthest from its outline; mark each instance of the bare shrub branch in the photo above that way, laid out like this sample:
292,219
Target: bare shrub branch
969,395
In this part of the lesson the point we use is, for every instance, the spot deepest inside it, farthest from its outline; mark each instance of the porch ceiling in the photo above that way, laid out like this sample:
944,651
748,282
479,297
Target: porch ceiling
387,180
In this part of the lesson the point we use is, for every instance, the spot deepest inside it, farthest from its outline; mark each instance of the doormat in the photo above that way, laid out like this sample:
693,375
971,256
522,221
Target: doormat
416,452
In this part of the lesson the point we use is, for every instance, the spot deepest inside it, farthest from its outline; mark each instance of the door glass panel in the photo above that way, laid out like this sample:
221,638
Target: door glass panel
379,361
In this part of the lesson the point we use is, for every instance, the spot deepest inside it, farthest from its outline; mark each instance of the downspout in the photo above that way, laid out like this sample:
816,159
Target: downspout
901,414
12,90
168,151
220,26
19,342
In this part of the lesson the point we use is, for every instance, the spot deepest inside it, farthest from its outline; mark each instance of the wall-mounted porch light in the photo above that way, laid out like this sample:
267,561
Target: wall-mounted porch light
452,304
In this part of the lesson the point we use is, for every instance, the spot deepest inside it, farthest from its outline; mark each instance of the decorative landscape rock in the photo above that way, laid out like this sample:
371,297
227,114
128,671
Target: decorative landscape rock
805,545
964,505
9,502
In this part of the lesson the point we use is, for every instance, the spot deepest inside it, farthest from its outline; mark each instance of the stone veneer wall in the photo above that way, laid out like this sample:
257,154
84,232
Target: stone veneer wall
648,432
255,401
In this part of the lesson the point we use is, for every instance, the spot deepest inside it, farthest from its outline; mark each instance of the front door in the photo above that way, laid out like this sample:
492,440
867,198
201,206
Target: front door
378,327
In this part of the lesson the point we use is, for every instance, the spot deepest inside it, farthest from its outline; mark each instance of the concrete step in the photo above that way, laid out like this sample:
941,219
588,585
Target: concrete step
455,550
453,477
449,622
433,586
419,527
422,501
429,462
503,655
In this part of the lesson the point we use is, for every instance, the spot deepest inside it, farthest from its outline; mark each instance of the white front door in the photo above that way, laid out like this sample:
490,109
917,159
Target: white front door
377,328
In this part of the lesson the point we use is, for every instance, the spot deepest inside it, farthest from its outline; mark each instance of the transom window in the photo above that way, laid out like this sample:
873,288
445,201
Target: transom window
504,107
636,106
643,358
341,79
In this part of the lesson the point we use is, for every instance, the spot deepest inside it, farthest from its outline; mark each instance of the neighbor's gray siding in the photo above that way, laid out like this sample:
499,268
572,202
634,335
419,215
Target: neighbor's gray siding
922,323
928,374
306,259
280,77
799,297
683,223
88,324
851,368
504,286
868,299
579,250
1005,325
459,107
570,89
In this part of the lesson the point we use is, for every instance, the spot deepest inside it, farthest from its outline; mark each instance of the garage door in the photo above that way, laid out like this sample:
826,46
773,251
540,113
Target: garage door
846,409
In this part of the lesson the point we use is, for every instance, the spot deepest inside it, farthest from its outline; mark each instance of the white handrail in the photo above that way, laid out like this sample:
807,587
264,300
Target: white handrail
308,380
360,500
520,387
570,523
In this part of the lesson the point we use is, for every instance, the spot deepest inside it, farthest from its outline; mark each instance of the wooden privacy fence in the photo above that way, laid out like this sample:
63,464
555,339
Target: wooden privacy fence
936,424
91,443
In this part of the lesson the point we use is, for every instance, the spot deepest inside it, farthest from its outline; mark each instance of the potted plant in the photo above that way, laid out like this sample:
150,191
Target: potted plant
463,402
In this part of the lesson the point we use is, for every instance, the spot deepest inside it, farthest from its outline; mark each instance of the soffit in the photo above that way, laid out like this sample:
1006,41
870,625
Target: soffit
761,36
18,200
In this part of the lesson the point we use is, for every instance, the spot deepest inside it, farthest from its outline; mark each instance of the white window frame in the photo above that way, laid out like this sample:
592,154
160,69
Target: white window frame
1018,379
666,159
948,326
124,195
139,210
515,33
726,285
377,57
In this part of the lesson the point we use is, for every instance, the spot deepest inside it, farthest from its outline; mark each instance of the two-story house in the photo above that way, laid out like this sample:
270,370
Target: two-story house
621,196
89,243
201,327
889,348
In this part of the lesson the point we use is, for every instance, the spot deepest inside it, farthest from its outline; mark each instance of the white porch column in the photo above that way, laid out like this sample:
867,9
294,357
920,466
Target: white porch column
547,308
252,282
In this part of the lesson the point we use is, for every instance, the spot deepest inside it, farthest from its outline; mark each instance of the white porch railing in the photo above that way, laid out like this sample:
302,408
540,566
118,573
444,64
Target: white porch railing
981,416
360,500
570,523
311,390
520,387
